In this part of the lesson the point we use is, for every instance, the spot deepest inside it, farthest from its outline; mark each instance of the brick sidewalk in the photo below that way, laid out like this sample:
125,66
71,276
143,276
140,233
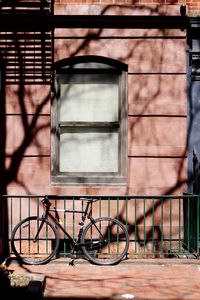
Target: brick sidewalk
131,279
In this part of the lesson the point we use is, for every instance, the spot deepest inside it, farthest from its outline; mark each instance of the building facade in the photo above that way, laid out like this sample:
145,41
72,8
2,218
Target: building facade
99,98
136,143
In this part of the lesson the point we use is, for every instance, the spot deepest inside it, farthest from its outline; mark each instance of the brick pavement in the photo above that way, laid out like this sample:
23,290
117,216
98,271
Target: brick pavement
131,279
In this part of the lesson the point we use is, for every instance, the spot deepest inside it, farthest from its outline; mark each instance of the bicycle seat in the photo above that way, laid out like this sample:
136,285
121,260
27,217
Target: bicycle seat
89,199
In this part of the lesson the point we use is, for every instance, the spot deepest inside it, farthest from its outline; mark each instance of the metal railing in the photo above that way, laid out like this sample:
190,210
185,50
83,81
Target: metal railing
158,226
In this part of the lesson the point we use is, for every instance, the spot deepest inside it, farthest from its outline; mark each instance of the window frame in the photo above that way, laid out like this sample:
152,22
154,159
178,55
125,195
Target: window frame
72,66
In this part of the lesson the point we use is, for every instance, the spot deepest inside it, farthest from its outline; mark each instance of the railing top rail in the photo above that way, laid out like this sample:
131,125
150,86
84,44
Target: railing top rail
104,197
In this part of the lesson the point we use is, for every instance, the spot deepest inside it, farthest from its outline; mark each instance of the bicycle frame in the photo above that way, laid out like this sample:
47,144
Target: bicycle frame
56,220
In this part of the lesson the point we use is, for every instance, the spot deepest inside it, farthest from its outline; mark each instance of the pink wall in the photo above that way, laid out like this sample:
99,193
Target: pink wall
156,115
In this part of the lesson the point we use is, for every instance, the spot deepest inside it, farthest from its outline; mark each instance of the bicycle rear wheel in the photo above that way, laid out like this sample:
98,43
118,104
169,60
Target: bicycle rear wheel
31,251
105,240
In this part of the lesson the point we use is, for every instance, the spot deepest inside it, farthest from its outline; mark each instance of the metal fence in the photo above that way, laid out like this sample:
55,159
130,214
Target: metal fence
158,226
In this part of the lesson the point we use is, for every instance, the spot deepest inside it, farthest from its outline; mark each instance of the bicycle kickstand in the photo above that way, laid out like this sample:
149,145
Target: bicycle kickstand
71,263
73,257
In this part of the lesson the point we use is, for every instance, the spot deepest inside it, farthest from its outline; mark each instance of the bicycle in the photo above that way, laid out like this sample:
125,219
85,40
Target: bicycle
103,241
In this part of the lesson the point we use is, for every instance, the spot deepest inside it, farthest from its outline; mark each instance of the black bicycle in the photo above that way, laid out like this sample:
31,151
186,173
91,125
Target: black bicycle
103,241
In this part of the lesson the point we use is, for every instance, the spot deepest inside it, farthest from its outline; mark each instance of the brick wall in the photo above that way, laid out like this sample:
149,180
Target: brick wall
193,6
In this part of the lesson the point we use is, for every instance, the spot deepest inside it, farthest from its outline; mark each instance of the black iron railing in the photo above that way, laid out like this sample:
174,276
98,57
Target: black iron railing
158,226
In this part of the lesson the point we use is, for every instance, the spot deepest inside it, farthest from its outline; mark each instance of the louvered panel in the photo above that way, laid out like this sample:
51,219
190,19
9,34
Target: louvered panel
21,6
27,55
26,59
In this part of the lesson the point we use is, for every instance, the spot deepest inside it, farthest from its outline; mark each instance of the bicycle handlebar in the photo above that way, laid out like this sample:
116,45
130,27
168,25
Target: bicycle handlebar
46,201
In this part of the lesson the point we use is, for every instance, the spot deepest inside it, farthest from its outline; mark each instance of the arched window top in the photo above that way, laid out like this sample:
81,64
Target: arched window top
90,62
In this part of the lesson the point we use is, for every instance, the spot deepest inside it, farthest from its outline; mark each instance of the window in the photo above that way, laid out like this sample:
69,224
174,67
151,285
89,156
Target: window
89,121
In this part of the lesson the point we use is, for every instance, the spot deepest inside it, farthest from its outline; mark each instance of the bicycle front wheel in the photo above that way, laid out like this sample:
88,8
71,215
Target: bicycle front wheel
105,241
34,241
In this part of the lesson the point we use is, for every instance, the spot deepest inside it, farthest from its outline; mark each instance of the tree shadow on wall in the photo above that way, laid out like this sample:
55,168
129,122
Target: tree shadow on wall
11,161
182,180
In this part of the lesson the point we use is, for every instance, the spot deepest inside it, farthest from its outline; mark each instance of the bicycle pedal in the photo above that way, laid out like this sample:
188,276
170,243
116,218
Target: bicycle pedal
71,263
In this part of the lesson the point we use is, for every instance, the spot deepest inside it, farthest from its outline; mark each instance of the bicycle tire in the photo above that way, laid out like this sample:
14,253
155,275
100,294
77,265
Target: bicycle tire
33,252
109,250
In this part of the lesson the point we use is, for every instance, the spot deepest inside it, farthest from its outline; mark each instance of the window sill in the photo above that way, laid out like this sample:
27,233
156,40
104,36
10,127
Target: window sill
88,181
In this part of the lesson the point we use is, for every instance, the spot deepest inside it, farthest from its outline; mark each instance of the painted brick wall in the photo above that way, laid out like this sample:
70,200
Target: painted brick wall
193,6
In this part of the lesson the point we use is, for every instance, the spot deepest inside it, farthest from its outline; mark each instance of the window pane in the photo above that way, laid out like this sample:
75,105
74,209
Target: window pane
89,97
88,150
